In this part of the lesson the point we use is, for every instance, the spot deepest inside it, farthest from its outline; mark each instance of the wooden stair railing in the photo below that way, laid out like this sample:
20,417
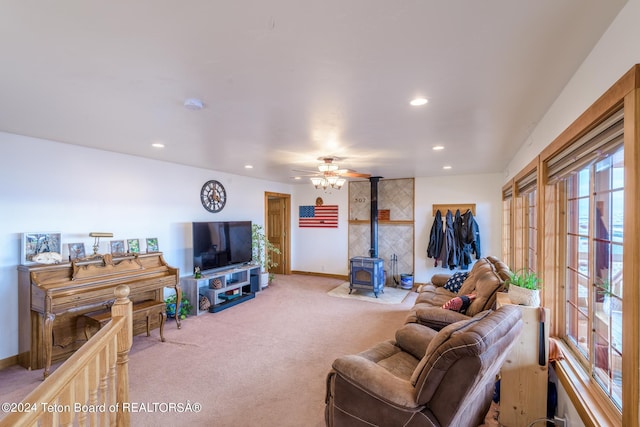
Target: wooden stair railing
92,386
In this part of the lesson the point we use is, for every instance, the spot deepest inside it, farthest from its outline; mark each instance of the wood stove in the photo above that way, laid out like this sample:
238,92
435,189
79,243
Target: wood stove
367,273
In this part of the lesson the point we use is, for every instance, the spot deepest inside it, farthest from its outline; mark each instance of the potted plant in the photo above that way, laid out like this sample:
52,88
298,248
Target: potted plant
524,288
262,252
183,311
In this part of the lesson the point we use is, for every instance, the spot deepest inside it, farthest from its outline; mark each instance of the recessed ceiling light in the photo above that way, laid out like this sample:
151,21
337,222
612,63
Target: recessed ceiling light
297,177
446,167
157,145
248,166
418,101
438,147
193,104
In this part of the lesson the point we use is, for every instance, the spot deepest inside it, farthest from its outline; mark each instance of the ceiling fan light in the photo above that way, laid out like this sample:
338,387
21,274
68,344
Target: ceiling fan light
332,180
339,183
327,167
316,181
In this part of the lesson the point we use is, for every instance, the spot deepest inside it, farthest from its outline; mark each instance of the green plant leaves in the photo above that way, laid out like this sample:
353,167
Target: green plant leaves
525,278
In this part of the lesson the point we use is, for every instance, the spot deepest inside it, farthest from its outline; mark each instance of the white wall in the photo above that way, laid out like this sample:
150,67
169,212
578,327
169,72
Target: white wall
326,250
483,190
616,52
321,250
50,186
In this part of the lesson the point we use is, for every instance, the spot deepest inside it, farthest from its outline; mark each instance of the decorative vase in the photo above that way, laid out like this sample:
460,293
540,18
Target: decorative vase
523,296
264,279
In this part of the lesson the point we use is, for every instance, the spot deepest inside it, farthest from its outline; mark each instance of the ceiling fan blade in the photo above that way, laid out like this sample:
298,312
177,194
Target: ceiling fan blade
307,171
353,174
357,175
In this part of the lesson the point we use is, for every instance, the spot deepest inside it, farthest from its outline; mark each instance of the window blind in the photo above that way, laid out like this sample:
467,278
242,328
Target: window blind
595,145
527,183
507,193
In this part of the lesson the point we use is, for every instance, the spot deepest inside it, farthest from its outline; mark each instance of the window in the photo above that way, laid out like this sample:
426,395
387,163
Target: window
532,231
506,224
593,276
524,220
582,197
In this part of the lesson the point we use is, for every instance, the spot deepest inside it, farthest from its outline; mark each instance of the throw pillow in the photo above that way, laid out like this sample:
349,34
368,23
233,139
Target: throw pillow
459,304
454,283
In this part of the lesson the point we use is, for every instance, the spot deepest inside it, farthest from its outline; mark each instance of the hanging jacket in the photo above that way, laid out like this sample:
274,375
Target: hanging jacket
449,252
435,239
457,235
469,239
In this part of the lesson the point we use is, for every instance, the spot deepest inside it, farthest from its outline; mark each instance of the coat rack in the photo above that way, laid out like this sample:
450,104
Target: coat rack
454,207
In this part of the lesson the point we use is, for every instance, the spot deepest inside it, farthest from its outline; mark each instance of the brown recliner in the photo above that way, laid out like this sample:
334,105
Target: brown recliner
486,278
424,377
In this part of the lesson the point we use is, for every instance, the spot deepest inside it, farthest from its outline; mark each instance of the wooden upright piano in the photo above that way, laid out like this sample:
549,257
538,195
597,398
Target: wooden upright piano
52,298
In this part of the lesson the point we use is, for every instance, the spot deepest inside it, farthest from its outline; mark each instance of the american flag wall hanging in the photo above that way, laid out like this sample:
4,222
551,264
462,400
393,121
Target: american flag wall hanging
325,216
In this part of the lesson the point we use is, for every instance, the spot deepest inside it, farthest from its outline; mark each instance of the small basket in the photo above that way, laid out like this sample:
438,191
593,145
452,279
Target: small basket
204,303
216,284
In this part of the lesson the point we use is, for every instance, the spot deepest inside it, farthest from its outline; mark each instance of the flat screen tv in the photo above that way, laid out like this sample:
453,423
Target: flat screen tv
221,244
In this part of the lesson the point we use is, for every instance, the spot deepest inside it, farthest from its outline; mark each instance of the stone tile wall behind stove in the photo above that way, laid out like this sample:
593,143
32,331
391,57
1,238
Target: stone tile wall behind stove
395,236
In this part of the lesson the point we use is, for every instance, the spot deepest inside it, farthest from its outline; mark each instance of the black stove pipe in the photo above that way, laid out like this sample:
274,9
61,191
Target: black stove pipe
373,252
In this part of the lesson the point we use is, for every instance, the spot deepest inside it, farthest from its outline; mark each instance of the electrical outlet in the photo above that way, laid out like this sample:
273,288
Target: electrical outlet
560,422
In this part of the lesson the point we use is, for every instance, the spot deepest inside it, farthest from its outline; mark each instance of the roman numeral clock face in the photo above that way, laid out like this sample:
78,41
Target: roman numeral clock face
213,196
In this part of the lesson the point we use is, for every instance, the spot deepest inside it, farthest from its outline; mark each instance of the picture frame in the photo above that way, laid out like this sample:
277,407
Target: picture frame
152,244
34,243
117,247
76,251
133,246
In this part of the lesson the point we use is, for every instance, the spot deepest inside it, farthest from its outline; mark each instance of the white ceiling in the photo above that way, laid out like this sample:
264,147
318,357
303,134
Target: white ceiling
287,81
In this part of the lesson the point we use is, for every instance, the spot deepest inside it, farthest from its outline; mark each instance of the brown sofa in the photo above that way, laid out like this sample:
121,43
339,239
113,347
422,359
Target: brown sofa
424,377
486,278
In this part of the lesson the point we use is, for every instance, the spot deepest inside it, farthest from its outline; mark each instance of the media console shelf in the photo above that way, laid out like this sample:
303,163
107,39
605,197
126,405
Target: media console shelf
224,288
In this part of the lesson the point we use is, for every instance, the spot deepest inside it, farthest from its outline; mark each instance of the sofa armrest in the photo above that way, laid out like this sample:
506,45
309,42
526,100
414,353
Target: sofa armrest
439,279
372,377
435,318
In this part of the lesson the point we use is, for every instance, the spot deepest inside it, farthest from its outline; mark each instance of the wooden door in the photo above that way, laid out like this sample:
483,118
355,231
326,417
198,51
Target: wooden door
277,230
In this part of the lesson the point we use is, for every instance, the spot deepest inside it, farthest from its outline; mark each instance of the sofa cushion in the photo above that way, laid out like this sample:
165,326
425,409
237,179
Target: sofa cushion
414,338
432,317
441,337
434,296
454,283
485,279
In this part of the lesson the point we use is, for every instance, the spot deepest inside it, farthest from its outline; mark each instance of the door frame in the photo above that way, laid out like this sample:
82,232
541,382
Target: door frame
286,245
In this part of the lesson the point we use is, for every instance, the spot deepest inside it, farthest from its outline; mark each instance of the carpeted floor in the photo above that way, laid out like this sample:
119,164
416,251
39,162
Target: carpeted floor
261,363
387,296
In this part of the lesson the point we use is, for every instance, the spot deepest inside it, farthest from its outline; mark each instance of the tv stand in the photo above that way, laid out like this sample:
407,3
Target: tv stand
223,288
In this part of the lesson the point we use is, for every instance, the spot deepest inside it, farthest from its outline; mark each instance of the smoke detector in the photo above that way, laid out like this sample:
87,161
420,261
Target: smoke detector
193,104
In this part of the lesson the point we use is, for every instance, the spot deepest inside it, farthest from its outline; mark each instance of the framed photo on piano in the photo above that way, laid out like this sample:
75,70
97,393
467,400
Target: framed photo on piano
117,247
152,244
76,251
133,245
37,243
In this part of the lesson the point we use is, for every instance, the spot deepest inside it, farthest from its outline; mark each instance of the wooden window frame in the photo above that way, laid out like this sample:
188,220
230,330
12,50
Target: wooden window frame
592,405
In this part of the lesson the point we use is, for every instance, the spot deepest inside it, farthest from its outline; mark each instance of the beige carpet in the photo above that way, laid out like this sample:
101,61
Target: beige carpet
388,296
261,363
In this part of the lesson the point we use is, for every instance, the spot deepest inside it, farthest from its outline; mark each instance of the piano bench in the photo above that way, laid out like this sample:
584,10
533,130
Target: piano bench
142,310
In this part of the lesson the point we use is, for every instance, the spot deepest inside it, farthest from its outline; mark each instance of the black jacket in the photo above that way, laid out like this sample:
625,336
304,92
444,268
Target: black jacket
468,239
449,252
435,239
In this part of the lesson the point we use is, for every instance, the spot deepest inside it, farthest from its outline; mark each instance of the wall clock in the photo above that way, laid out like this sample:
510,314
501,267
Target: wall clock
213,196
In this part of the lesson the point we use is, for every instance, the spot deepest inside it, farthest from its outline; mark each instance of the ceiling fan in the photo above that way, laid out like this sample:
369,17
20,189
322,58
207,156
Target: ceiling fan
329,173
